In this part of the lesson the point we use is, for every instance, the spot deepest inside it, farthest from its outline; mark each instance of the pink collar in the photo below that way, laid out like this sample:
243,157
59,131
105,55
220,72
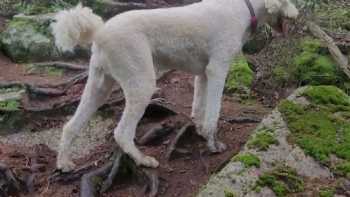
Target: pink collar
253,19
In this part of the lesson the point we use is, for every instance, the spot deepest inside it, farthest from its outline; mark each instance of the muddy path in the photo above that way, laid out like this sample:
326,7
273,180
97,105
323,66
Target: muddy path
183,175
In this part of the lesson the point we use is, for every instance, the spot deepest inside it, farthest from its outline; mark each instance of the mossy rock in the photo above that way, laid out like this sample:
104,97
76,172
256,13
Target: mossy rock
248,160
282,181
240,76
26,40
11,115
321,128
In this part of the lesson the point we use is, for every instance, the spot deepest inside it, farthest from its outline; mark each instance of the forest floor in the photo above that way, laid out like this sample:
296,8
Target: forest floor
183,175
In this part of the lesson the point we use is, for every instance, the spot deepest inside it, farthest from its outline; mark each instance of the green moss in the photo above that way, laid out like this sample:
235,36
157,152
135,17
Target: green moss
248,160
334,16
26,40
326,192
319,129
315,66
9,105
262,140
240,75
343,169
229,193
282,181
326,95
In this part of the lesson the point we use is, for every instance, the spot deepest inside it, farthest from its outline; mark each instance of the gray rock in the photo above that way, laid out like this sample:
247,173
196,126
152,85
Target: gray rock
241,181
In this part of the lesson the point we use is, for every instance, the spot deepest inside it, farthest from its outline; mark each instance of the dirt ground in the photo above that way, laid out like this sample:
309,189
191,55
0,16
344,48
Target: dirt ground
183,175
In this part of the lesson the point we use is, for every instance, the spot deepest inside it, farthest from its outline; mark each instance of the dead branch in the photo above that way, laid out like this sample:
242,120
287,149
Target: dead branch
337,55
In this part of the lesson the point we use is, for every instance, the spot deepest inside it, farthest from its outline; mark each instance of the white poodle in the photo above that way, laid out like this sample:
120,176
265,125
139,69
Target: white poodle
132,47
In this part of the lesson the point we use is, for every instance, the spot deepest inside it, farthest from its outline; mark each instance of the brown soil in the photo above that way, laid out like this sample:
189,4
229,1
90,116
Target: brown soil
181,176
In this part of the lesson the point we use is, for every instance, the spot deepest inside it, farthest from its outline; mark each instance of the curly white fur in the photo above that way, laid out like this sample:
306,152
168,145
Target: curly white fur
75,26
201,39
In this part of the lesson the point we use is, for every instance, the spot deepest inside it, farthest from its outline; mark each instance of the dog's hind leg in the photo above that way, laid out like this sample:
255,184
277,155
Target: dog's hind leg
198,105
137,77
96,92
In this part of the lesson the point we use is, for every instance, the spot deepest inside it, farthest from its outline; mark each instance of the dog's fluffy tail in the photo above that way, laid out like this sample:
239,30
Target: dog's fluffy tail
76,26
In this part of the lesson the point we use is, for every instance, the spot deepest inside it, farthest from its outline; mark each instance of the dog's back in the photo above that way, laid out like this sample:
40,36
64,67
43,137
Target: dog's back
178,37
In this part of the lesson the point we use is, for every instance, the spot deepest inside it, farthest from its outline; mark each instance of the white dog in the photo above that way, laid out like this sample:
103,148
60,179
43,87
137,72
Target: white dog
132,47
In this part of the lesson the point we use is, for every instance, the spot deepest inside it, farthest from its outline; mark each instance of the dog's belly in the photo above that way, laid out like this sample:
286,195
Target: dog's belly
189,59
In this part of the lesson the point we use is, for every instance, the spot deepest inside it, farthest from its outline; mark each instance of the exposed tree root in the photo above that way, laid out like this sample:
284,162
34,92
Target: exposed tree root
157,132
101,180
172,147
9,184
63,65
241,120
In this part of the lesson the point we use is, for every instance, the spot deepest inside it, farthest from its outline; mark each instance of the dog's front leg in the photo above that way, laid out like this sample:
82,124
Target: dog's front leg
216,73
97,90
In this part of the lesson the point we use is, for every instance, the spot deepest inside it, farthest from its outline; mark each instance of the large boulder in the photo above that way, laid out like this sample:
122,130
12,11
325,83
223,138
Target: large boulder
300,149
28,40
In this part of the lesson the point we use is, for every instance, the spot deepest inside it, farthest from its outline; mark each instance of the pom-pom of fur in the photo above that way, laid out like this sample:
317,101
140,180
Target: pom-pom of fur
74,27
286,7
273,6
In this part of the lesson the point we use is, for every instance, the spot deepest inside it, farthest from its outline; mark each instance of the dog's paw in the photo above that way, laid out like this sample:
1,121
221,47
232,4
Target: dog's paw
148,161
217,147
65,165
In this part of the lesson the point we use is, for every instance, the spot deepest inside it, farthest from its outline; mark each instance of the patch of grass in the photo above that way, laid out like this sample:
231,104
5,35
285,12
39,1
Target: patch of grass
229,193
9,105
262,140
326,192
248,160
281,75
319,129
282,181
240,75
